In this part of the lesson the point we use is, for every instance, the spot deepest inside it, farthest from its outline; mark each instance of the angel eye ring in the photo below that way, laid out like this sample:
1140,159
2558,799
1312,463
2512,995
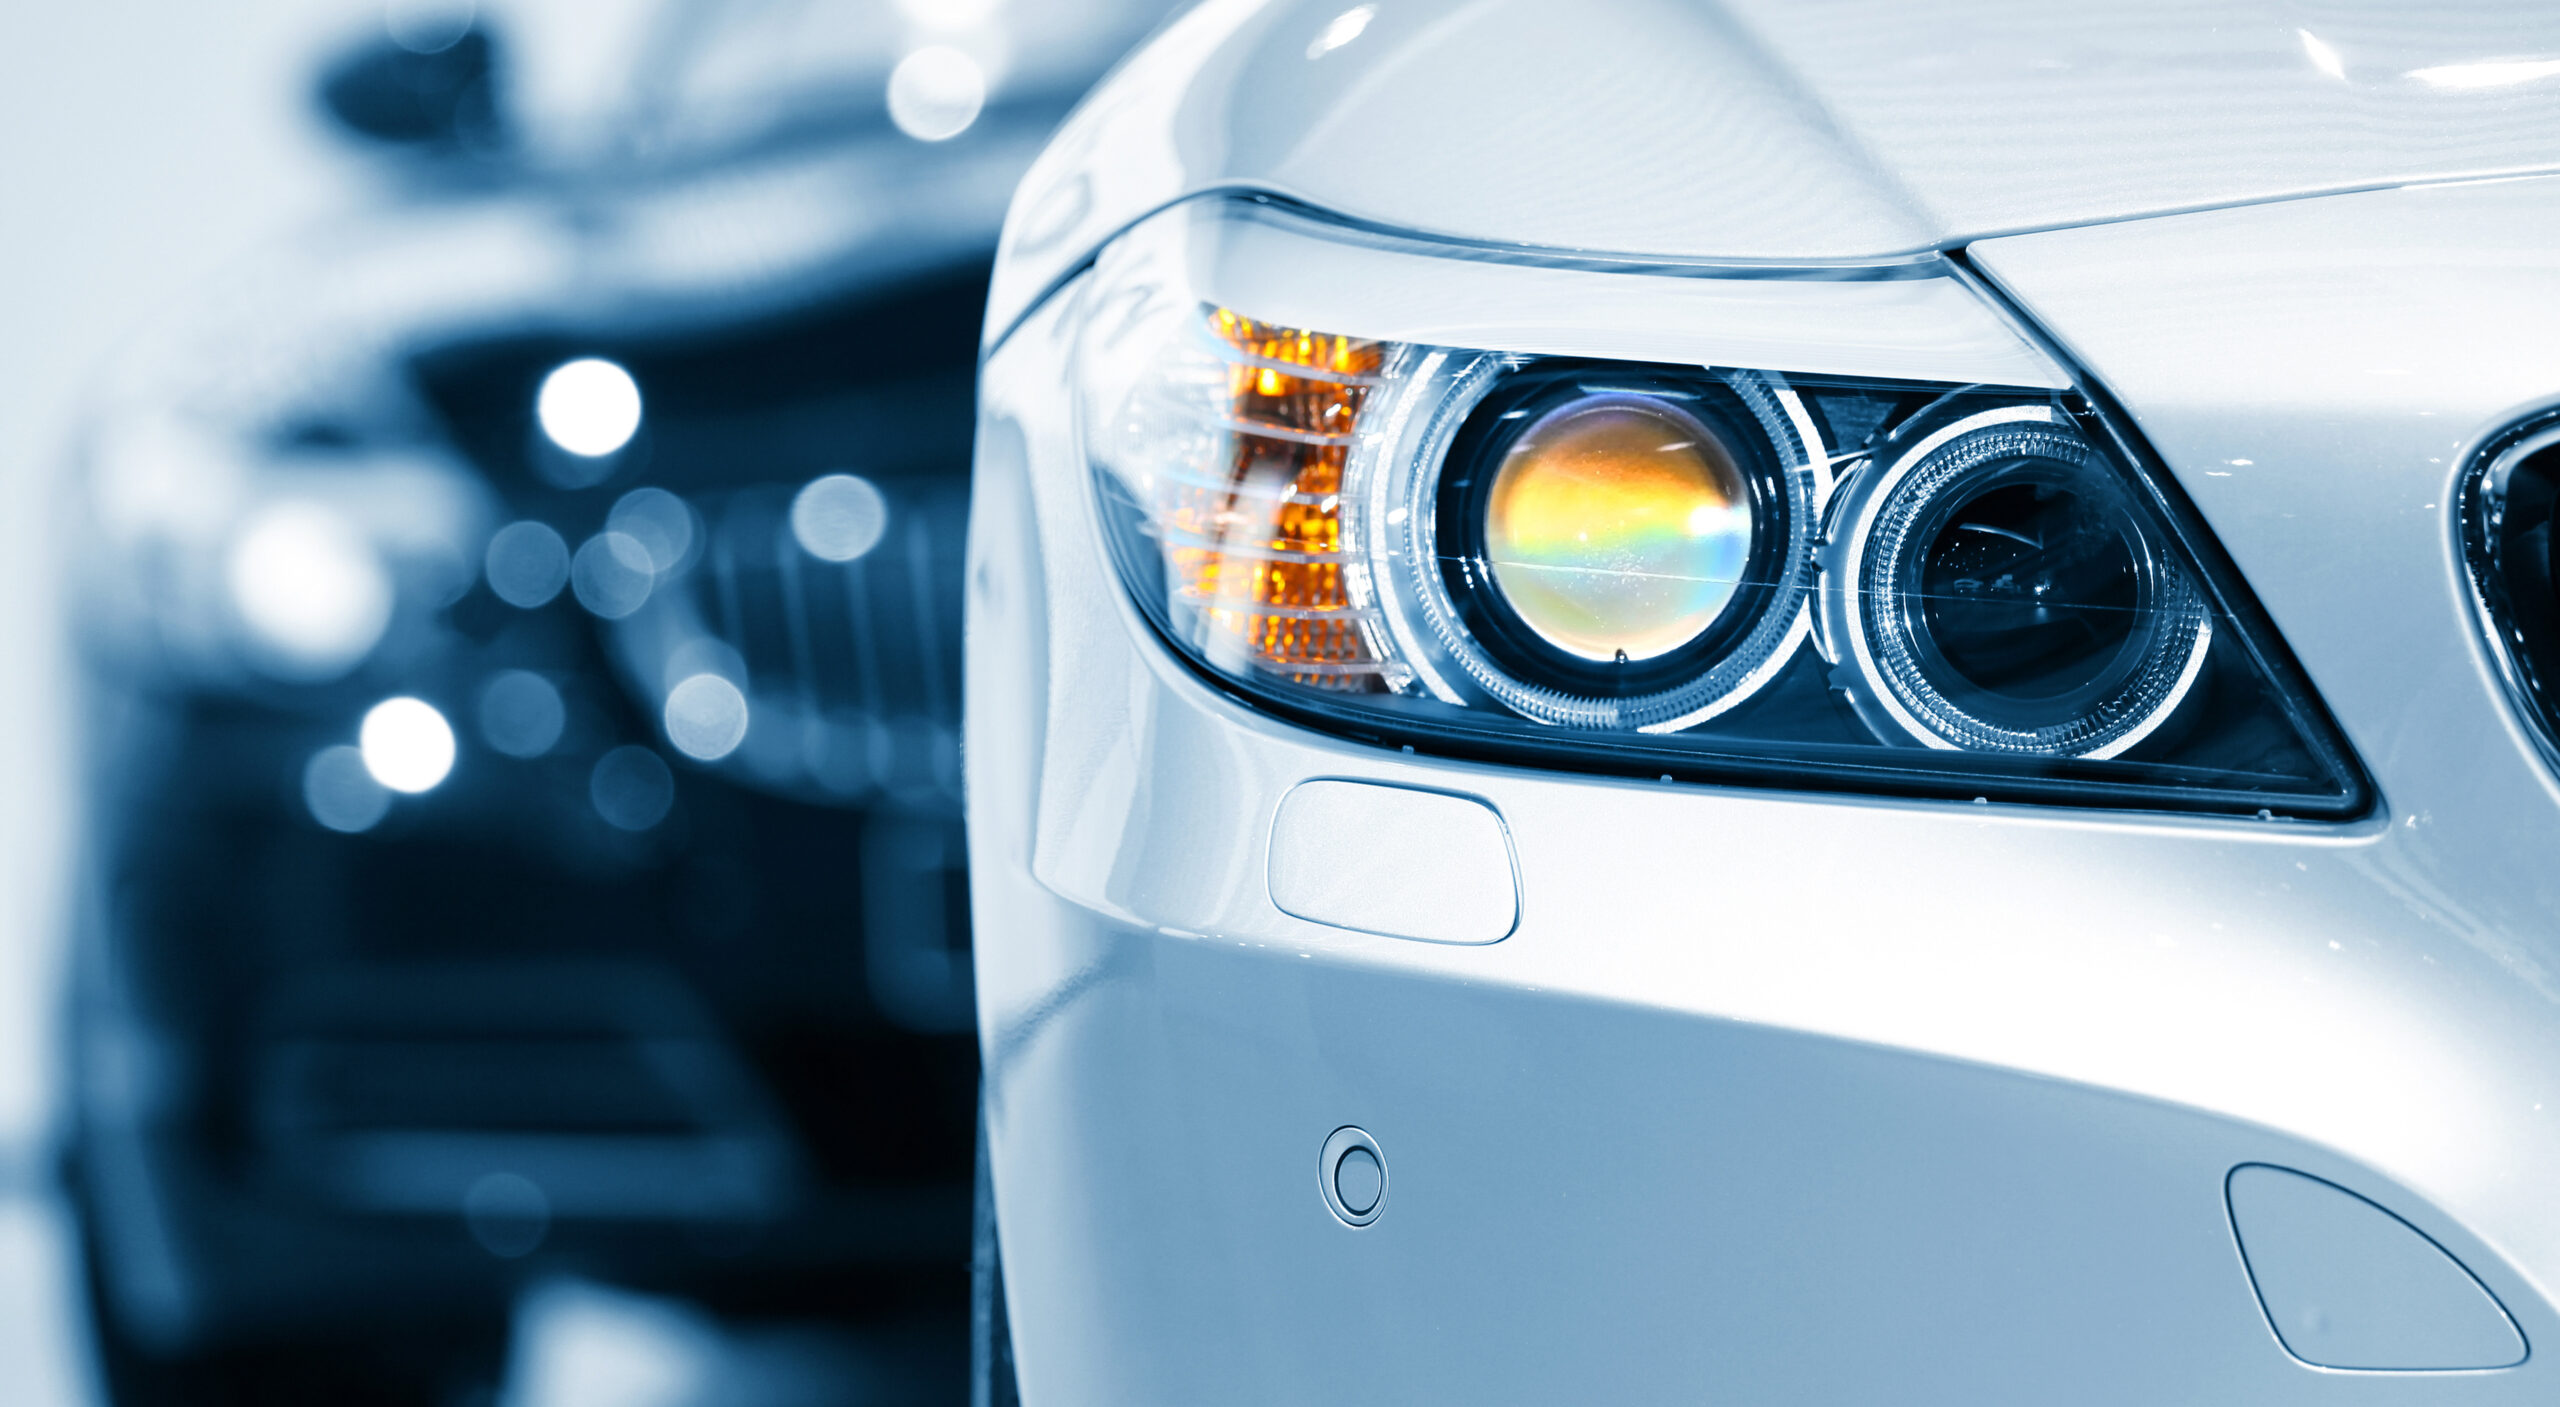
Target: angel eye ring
1990,588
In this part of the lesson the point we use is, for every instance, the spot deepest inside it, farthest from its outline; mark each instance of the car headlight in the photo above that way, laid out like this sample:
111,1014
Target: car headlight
1896,549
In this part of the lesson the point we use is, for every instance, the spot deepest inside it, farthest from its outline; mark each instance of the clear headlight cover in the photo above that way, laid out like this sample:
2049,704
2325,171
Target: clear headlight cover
1482,506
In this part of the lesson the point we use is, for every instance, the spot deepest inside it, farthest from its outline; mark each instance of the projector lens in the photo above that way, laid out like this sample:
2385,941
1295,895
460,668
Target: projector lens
1617,547
1996,592
2029,590
1618,528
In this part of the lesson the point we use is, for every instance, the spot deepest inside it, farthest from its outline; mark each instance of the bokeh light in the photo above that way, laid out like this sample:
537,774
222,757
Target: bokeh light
428,26
612,574
936,92
309,586
706,717
341,792
507,1213
589,407
521,713
527,563
657,520
407,745
839,517
631,788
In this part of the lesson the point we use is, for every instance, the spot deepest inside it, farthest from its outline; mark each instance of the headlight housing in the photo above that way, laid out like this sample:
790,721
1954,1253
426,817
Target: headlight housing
1840,528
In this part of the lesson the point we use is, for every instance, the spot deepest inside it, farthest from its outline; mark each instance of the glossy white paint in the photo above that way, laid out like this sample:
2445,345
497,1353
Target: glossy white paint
2348,1285
1782,130
1779,1097
1393,861
1918,322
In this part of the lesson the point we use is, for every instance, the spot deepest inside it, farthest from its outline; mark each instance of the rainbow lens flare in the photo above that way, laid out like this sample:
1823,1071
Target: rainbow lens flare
1618,527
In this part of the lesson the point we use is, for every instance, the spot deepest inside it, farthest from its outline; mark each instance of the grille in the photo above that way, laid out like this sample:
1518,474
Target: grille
851,670
2510,512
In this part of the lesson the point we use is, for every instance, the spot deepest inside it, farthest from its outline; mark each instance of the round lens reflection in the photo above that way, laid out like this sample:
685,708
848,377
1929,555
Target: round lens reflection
1618,527
2030,591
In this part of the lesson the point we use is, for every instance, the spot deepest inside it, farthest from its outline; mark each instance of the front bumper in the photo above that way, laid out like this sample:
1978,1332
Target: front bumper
297,1054
1765,1098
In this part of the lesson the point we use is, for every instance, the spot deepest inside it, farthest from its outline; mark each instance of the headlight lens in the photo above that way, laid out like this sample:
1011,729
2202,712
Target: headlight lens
1611,546
1699,570
1613,527
2009,597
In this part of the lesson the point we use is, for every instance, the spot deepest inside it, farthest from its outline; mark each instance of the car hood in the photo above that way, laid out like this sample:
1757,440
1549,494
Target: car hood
1782,130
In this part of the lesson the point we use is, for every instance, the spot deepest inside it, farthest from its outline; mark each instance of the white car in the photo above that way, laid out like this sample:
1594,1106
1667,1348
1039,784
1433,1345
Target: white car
1776,703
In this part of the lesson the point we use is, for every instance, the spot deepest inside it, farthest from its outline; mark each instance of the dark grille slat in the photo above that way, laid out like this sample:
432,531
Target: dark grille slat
852,682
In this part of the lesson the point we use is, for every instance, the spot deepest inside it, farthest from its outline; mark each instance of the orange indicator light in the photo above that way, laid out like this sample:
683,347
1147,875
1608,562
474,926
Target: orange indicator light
1255,542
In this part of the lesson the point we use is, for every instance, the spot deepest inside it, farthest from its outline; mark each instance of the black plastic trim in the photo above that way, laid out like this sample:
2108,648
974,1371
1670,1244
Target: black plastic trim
2480,509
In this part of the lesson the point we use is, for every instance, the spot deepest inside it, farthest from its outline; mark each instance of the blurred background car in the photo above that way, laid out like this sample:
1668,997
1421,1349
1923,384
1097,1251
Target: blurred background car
518,637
